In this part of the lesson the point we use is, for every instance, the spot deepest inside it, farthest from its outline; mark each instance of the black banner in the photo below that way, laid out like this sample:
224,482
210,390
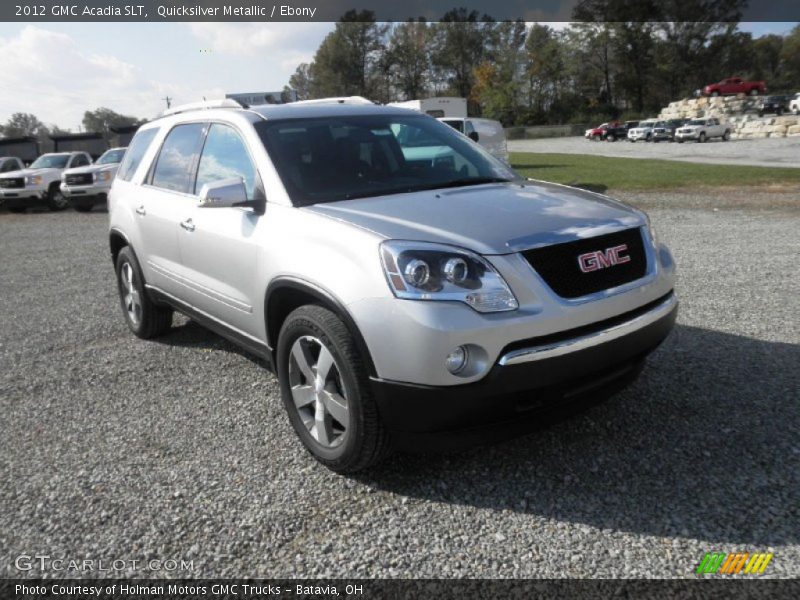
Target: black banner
365,589
383,10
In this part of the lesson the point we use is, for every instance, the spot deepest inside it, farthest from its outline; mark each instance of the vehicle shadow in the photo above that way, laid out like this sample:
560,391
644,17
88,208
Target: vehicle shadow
186,333
703,445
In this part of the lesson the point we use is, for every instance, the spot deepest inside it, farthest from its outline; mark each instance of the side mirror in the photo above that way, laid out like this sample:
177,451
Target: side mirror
473,135
227,193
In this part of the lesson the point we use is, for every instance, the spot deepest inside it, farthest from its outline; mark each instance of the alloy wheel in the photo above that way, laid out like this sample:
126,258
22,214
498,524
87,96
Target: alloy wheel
130,295
318,393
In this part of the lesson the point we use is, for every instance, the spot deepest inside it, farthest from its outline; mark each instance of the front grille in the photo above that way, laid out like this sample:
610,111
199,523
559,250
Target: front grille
12,182
79,179
558,265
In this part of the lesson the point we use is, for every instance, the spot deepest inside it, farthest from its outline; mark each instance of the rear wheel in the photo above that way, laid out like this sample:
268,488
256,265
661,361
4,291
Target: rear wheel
702,137
326,392
726,136
611,137
144,318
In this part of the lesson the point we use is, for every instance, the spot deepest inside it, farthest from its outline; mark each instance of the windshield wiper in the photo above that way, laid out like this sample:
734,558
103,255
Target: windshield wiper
471,181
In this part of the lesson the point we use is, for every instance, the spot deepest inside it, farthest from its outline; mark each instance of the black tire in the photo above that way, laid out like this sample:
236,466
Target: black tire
754,92
153,320
611,137
701,138
679,141
714,94
365,441
82,206
17,209
55,199
726,136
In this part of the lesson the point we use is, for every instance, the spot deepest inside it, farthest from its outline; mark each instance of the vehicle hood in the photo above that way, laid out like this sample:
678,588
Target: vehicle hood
488,219
30,172
641,129
92,169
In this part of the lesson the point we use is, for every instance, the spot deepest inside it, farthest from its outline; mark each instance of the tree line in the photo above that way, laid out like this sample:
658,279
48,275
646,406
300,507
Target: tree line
609,63
100,120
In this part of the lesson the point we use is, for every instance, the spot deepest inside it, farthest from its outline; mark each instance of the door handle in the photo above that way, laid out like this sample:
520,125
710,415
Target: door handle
141,211
187,225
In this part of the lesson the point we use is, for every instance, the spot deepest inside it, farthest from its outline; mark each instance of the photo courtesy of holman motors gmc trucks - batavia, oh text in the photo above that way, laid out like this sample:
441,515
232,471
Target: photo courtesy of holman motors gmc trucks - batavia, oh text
407,287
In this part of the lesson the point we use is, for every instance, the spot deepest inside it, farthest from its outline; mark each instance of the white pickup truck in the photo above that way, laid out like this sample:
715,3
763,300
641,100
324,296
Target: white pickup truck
86,186
39,184
702,130
794,104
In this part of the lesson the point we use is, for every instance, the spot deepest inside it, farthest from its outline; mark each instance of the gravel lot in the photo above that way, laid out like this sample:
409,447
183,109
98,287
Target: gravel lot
116,448
768,152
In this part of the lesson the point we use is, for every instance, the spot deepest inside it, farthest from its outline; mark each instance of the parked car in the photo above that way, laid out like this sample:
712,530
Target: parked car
10,163
84,187
39,184
775,105
643,131
405,294
702,130
794,104
665,130
609,132
735,85
486,132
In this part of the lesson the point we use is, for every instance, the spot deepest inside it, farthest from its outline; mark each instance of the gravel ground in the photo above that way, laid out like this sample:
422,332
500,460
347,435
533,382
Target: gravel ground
117,448
768,152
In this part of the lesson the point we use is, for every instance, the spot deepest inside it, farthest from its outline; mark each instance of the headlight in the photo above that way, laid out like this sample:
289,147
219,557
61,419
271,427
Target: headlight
34,180
102,176
651,230
426,271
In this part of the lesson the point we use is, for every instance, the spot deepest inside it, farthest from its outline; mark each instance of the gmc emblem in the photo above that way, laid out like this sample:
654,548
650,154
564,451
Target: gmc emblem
602,259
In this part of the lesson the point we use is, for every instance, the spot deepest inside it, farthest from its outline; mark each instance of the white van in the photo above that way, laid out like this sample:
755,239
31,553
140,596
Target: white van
442,106
489,134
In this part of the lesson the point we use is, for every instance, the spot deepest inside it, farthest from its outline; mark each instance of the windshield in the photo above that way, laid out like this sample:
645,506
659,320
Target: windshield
340,158
111,157
51,161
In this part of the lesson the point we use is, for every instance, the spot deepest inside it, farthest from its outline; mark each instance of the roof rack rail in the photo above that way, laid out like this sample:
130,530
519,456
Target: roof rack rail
337,100
203,105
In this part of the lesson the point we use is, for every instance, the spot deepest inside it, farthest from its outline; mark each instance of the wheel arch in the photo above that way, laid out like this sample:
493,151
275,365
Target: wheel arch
285,294
116,241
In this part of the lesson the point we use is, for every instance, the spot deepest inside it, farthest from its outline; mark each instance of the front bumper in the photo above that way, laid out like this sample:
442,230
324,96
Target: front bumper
23,197
95,192
638,135
533,377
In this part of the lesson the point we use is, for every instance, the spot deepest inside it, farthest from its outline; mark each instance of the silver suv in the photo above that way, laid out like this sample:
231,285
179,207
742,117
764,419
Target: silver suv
406,287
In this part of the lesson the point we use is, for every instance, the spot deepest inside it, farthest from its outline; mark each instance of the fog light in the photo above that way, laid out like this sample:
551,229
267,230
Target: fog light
457,360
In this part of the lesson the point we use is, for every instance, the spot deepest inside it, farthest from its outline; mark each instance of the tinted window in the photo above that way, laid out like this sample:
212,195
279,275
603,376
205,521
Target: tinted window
339,158
225,157
139,145
176,162
79,160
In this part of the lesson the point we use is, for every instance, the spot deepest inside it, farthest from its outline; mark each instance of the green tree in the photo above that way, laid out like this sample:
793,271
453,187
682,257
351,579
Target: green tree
460,40
408,58
302,82
24,124
101,120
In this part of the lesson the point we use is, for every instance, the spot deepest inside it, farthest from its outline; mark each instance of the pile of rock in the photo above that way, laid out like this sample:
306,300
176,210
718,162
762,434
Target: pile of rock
740,111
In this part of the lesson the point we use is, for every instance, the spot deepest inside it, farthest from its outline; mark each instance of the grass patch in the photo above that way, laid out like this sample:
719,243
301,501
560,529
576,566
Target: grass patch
600,173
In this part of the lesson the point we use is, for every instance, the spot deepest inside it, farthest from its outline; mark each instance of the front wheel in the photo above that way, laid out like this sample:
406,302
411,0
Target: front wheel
714,94
144,318
754,92
55,199
726,136
326,392
702,137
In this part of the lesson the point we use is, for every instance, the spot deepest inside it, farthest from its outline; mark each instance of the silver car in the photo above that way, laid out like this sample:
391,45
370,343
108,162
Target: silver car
408,289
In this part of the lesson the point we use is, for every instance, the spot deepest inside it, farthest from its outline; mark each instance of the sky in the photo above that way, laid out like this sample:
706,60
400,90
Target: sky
59,70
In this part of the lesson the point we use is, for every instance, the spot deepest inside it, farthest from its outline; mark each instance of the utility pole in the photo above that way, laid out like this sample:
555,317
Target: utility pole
168,100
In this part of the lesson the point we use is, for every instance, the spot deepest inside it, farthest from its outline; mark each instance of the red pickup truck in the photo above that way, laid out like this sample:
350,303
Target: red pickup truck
735,85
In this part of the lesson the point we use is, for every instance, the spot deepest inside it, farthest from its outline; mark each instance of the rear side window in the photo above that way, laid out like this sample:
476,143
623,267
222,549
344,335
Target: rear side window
176,162
139,145
225,156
